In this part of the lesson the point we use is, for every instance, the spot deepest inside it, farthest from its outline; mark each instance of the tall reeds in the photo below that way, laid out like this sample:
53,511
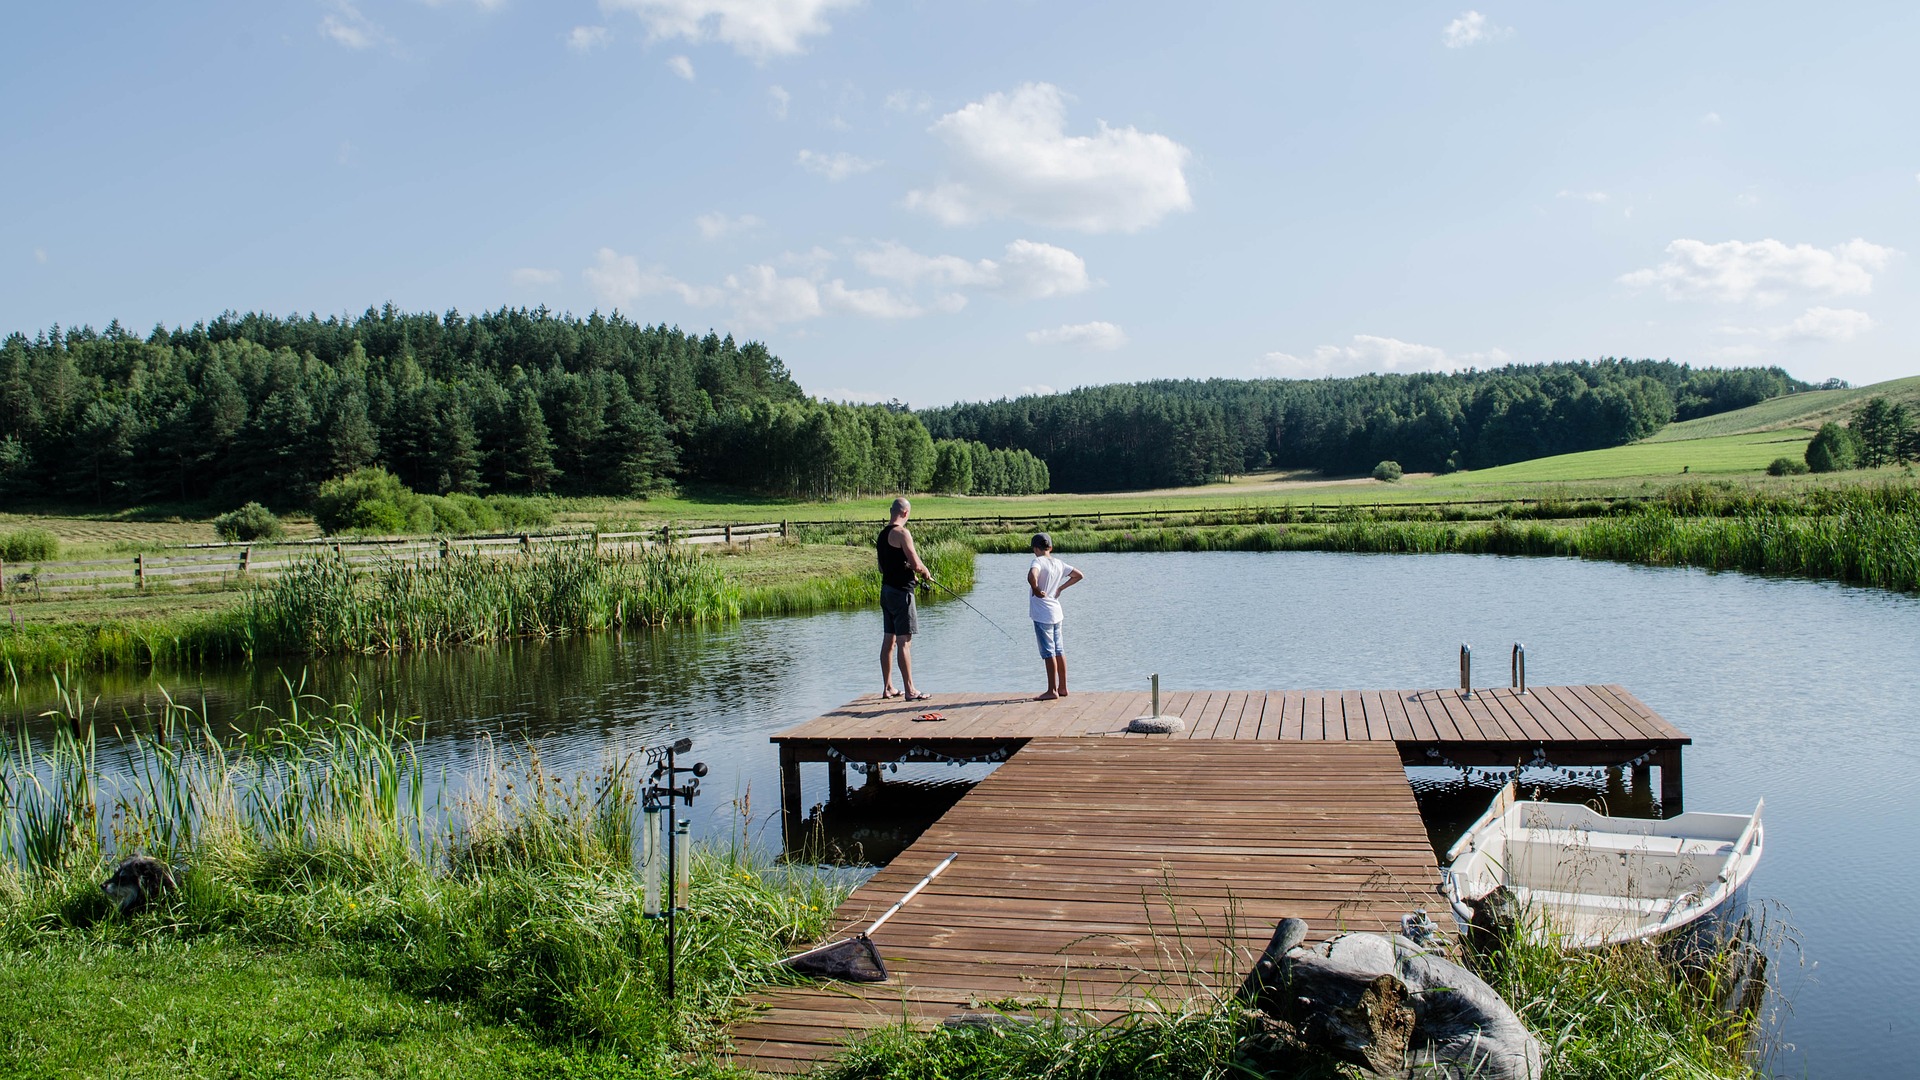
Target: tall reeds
318,832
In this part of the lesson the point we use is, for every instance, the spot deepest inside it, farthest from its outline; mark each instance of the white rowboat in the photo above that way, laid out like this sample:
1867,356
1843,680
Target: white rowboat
1589,880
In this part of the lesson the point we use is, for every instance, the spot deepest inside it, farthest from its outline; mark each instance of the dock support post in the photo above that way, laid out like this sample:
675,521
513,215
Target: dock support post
789,796
1643,781
836,780
876,773
1672,802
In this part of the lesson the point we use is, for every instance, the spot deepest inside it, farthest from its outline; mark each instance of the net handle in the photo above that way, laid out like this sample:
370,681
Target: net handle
911,893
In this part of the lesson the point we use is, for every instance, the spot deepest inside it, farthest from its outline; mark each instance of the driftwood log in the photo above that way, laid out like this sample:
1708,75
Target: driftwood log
1387,1005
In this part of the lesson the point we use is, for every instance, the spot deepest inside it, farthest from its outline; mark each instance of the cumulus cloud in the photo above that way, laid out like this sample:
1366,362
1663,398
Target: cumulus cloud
843,393
777,101
1763,271
761,295
716,225
837,166
618,281
1711,119
585,39
1094,336
1472,28
758,29
1815,324
1011,156
1583,196
40,255
681,66
533,275
345,25
1369,353
1028,270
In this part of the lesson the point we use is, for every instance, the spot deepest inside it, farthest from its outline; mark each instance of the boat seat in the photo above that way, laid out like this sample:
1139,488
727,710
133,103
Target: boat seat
1618,842
1644,906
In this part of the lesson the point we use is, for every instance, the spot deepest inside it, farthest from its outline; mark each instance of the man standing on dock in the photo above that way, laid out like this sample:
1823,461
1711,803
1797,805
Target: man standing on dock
900,570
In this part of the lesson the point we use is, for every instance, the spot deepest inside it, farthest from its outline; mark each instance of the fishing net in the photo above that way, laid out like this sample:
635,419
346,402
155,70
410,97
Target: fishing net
854,959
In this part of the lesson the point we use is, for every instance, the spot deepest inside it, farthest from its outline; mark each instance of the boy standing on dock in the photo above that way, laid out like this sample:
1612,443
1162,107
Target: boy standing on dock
1047,578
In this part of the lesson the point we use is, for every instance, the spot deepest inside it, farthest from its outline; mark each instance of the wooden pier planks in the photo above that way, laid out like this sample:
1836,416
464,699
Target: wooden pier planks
1495,716
1093,871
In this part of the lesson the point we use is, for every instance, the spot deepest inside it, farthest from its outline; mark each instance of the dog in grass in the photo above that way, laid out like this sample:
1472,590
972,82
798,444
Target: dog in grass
138,881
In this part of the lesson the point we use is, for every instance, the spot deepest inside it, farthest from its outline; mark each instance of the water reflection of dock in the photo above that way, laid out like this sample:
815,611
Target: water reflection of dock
1098,868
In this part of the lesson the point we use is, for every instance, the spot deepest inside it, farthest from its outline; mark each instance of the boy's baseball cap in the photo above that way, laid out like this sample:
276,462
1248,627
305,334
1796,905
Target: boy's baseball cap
1042,540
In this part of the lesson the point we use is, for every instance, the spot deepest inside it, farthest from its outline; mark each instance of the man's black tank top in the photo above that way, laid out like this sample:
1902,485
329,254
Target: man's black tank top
895,570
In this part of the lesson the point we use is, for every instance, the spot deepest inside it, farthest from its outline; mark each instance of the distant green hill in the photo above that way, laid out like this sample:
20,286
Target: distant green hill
1747,452
1804,410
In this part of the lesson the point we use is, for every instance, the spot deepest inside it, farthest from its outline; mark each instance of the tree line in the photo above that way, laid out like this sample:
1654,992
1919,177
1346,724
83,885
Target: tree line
518,401
1181,432
1880,432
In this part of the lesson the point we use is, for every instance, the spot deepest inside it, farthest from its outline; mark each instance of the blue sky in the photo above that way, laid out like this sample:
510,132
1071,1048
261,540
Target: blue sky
967,199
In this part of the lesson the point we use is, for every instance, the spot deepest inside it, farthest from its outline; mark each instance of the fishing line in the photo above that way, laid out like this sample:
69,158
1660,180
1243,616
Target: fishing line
975,610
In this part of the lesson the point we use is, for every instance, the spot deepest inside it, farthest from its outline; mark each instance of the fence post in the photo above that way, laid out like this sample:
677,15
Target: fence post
446,549
728,535
596,543
246,559
140,571
526,544
783,528
666,535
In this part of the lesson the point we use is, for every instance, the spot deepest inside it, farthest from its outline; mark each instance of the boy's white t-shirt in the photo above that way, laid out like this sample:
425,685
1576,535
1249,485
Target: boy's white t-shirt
1049,573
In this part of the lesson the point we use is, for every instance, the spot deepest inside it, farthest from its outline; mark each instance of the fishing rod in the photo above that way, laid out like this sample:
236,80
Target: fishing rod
975,610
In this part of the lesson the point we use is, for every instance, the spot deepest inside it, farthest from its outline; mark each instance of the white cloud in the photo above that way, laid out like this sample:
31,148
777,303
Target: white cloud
717,225
777,101
1583,196
1037,390
484,5
1472,28
345,25
1764,271
1097,336
909,101
1369,353
585,39
40,255
681,66
1027,271
754,28
836,166
879,302
1012,157
533,275
618,281
1711,119
1815,324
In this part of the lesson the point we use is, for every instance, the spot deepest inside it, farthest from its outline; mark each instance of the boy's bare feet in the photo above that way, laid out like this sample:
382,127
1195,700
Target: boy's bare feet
1048,696
888,692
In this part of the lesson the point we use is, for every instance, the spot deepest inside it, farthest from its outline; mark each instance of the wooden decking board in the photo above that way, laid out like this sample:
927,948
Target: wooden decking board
1063,898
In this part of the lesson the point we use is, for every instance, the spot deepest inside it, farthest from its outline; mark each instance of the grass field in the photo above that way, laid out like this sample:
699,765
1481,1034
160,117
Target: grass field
1725,455
1808,410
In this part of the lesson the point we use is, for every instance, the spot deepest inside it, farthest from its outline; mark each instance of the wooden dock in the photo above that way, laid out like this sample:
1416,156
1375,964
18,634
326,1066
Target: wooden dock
1099,869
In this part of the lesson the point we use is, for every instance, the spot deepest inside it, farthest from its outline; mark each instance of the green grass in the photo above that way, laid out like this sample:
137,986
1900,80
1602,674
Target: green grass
208,1009
1746,454
1808,410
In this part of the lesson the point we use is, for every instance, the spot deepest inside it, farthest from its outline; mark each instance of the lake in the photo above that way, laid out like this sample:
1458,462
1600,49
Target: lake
1803,693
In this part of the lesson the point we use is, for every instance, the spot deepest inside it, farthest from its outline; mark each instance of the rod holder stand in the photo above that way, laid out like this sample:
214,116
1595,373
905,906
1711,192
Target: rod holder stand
1156,694
1466,670
1519,667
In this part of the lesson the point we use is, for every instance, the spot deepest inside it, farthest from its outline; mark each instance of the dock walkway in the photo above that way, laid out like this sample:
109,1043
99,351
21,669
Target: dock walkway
1099,868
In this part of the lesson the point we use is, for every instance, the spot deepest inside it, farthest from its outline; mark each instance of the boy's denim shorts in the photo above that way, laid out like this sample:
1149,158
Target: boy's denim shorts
1048,634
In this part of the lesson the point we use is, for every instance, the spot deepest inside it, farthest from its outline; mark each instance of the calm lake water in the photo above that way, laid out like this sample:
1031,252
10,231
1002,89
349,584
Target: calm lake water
1799,692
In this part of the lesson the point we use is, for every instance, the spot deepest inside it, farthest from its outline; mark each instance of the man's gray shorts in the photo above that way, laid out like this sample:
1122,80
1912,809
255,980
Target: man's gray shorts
897,612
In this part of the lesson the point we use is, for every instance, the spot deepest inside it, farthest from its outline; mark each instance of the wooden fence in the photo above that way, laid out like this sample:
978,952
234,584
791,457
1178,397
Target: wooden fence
234,564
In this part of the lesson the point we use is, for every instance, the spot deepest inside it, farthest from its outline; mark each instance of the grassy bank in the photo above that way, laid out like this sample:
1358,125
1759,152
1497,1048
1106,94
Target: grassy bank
497,931
464,600
1866,536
